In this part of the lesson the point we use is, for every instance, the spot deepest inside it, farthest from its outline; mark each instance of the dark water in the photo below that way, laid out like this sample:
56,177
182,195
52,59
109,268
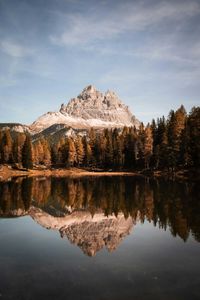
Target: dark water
99,238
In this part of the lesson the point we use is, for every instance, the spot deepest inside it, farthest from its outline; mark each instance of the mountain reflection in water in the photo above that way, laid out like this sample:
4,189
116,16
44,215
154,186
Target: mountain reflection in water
94,213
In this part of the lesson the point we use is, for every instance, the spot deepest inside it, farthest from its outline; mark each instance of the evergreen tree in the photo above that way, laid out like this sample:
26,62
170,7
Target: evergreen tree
148,145
71,157
100,150
38,152
155,150
117,149
88,153
130,149
140,146
194,136
61,150
7,155
171,144
79,151
171,136
161,144
109,149
46,154
27,154
176,124
54,154
184,155
92,142
164,151
17,148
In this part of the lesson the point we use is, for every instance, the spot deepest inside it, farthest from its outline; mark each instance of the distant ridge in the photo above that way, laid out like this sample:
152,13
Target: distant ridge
90,109
15,127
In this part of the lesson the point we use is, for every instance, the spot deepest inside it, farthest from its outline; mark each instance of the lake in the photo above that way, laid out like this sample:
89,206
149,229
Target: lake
99,238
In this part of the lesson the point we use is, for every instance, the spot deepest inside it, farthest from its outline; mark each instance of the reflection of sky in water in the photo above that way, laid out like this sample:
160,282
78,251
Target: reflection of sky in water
149,264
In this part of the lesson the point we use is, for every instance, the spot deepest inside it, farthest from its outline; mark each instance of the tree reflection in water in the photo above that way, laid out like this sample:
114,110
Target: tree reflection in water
97,212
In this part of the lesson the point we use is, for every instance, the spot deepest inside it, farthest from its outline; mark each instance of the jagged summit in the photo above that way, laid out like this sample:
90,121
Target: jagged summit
90,233
92,104
90,108
88,90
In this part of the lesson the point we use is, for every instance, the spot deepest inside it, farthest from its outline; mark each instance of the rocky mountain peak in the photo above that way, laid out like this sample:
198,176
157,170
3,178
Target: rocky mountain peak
90,233
92,104
90,108
89,93
88,90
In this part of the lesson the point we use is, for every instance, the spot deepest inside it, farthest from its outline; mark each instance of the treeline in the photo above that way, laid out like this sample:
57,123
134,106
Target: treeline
172,143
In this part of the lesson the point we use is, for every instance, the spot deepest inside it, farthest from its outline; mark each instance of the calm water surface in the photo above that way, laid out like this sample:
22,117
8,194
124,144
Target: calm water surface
99,238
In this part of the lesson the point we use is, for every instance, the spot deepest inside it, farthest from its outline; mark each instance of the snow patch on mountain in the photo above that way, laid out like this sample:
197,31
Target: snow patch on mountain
90,109
15,127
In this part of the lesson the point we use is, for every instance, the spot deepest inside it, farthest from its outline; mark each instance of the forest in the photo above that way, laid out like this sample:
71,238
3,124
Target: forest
166,144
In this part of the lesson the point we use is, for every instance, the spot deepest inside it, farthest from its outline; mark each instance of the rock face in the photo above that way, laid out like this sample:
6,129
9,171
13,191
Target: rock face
92,236
90,233
92,104
90,109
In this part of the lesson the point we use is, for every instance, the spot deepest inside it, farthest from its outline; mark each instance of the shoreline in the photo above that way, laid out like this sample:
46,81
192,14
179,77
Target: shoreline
7,173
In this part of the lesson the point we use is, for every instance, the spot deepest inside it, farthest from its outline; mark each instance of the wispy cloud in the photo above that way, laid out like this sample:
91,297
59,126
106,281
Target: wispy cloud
24,60
145,50
14,49
175,77
82,30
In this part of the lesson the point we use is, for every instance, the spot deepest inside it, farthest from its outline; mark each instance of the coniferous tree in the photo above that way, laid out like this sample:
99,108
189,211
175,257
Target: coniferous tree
54,154
79,151
7,155
27,153
108,149
117,150
171,144
148,145
184,155
100,150
176,124
130,149
164,151
140,146
171,136
92,142
161,144
38,153
61,150
88,153
71,156
155,150
17,148
46,157
194,136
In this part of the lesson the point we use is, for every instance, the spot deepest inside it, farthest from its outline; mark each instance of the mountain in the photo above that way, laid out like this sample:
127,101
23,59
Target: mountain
90,233
93,235
89,109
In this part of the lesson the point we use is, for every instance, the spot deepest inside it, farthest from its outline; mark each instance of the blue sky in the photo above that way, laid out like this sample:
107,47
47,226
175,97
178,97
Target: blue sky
147,51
